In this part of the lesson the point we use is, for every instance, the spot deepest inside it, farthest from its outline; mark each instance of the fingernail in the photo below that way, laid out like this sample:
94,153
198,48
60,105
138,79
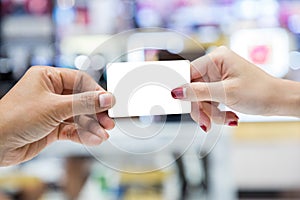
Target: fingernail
106,136
105,100
203,127
178,93
236,116
102,134
233,123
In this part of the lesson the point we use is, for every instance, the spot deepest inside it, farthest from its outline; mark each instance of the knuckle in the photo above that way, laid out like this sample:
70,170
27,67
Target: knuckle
69,132
200,90
231,89
37,68
220,53
33,70
87,101
223,49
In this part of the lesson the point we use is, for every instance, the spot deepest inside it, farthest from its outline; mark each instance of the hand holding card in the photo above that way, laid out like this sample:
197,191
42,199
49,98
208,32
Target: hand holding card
144,88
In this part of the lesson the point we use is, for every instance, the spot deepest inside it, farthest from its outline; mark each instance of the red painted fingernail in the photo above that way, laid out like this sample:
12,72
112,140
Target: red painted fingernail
236,116
233,123
178,93
204,128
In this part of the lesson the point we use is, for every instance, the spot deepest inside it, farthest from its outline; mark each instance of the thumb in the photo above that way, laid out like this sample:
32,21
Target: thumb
201,91
86,103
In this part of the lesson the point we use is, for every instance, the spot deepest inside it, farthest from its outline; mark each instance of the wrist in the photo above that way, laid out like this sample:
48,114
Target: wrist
287,97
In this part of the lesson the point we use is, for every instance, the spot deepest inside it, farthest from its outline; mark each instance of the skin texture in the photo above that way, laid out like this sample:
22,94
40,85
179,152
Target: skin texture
40,109
224,77
50,104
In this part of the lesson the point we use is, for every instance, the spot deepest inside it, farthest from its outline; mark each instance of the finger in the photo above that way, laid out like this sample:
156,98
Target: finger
93,126
84,103
62,80
200,117
105,121
214,103
210,63
201,91
220,117
199,67
77,80
71,132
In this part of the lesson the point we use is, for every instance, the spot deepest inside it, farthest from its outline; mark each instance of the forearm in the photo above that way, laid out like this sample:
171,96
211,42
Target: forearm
287,97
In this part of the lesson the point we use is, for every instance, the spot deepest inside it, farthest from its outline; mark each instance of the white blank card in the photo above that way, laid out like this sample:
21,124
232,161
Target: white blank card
144,88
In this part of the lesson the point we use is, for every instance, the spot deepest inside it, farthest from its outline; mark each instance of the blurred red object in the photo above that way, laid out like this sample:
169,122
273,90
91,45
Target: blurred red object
260,54
38,7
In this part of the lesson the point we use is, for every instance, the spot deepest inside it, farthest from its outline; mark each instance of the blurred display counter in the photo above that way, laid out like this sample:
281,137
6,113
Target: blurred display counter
147,186
266,154
268,131
258,118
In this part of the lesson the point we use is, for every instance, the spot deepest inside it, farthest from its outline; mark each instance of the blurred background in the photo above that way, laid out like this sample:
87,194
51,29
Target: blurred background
260,159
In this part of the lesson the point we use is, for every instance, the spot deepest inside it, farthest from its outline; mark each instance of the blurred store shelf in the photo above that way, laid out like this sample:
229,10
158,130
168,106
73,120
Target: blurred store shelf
27,26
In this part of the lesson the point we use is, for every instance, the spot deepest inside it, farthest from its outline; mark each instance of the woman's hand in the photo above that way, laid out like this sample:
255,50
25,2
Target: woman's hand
224,77
41,109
